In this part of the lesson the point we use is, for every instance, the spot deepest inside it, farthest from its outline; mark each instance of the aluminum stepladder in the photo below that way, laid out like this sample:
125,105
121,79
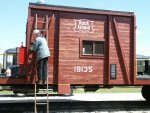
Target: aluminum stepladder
35,85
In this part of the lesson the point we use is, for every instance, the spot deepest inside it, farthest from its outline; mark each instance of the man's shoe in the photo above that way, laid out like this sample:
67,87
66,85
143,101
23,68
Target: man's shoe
39,82
44,82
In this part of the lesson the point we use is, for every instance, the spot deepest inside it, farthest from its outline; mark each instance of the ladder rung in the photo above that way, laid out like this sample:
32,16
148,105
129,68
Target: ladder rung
42,93
41,103
41,22
41,84
45,90
41,29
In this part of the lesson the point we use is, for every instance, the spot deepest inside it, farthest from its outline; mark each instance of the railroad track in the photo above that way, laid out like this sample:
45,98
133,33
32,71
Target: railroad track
106,103
86,106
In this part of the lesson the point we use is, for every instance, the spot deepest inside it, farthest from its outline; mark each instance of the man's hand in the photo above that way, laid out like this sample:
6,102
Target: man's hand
32,43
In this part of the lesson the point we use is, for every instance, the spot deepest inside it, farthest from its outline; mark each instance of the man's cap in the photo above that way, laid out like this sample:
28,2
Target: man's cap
36,31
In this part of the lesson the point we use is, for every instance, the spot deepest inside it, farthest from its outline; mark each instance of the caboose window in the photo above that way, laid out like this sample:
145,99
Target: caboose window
99,48
92,48
87,48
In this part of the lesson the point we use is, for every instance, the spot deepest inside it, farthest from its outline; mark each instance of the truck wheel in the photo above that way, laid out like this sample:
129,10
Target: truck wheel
146,92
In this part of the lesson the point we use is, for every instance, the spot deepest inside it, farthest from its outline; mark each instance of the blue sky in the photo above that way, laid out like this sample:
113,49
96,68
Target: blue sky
14,15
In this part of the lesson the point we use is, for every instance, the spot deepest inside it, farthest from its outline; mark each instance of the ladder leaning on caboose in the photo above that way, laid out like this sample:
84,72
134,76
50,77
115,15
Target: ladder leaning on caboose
35,84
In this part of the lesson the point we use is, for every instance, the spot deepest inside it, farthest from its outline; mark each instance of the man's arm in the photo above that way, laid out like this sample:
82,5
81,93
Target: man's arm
35,45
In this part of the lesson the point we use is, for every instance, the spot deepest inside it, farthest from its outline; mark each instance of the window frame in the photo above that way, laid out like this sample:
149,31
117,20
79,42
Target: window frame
91,55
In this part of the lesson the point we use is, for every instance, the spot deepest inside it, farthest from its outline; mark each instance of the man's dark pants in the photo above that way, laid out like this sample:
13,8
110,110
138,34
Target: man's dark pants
42,69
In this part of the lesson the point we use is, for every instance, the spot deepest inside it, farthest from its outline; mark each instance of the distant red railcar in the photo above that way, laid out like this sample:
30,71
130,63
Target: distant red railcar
89,47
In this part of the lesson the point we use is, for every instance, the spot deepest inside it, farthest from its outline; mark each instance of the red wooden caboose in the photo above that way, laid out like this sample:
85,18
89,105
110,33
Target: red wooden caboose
88,46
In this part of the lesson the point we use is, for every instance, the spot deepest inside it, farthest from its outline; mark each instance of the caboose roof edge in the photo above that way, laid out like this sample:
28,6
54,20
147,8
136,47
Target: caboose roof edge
79,9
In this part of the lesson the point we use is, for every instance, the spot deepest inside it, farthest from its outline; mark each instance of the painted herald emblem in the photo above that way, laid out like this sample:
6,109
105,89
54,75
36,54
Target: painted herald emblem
83,25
